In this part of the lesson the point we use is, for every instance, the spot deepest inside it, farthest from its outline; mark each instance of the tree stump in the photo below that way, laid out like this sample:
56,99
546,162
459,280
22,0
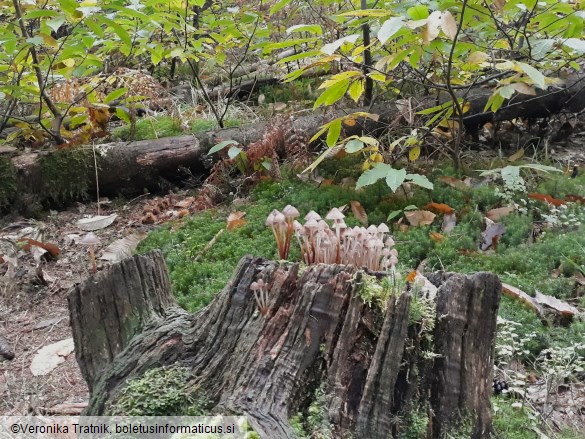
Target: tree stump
317,334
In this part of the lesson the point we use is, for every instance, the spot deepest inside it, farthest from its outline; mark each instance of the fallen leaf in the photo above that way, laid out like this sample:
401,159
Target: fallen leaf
122,248
449,223
49,357
420,217
440,208
455,183
499,212
359,212
411,276
517,155
96,222
52,249
186,203
547,199
575,199
437,237
492,234
235,220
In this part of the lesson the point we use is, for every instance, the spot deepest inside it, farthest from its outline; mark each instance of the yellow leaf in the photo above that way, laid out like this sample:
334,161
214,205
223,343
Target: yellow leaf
380,77
517,155
356,89
449,25
477,57
414,153
377,157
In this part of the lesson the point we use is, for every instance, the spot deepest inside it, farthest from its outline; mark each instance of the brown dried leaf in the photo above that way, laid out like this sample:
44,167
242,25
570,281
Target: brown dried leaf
499,213
455,183
235,220
359,212
420,217
492,234
186,203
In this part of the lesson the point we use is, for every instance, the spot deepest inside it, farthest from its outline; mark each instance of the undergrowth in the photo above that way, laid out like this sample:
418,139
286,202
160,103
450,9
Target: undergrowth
546,262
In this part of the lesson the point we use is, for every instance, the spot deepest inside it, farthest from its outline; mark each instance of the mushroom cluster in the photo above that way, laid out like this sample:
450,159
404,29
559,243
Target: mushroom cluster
282,224
336,243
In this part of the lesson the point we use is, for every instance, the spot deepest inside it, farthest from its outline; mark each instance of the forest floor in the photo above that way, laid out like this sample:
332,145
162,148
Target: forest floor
34,311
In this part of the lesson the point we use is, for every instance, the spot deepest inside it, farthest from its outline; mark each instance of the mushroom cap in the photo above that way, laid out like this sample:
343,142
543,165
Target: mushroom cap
312,215
335,214
269,220
254,286
383,228
260,283
90,239
389,242
322,225
311,223
372,229
297,225
290,212
279,218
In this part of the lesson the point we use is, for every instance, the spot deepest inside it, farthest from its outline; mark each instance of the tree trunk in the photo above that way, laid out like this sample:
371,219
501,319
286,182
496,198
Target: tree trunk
317,334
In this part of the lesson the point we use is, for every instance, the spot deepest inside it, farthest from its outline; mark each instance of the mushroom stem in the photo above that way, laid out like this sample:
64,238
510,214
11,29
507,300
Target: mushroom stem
92,260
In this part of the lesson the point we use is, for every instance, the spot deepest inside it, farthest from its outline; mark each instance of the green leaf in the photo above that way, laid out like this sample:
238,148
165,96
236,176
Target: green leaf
234,151
395,177
419,12
371,176
221,145
389,28
537,77
330,48
576,44
332,94
393,214
354,145
123,114
278,6
55,22
420,180
310,28
115,95
356,89
507,91
334,132
539,167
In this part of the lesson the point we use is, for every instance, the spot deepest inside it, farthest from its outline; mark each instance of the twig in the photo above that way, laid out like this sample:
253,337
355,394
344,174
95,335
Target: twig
208,245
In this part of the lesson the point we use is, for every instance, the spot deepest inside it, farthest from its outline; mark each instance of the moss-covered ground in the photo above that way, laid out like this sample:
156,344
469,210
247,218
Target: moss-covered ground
551,262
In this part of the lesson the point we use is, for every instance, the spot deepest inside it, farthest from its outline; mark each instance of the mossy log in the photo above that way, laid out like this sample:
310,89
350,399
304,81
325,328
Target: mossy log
317,334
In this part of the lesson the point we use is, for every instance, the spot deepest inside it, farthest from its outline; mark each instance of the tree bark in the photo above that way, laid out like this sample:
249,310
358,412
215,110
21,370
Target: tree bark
317,334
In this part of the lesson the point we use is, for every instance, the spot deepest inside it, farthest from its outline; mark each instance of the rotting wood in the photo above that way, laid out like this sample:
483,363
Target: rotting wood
317,334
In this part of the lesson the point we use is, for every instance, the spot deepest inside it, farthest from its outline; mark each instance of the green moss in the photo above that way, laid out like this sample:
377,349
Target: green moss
64,173
159,392
8,189
150,128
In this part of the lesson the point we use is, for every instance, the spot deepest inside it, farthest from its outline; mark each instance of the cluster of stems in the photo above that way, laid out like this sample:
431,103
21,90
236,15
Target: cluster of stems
321,242
260,289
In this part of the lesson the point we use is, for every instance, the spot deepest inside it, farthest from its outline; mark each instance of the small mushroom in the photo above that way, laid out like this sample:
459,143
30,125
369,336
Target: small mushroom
91,240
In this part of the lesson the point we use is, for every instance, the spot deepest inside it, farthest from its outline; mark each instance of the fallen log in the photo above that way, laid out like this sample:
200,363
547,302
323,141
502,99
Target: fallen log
130,168
317,335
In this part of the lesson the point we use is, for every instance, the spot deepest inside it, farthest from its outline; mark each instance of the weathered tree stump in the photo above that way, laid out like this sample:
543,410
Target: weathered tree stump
317,333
